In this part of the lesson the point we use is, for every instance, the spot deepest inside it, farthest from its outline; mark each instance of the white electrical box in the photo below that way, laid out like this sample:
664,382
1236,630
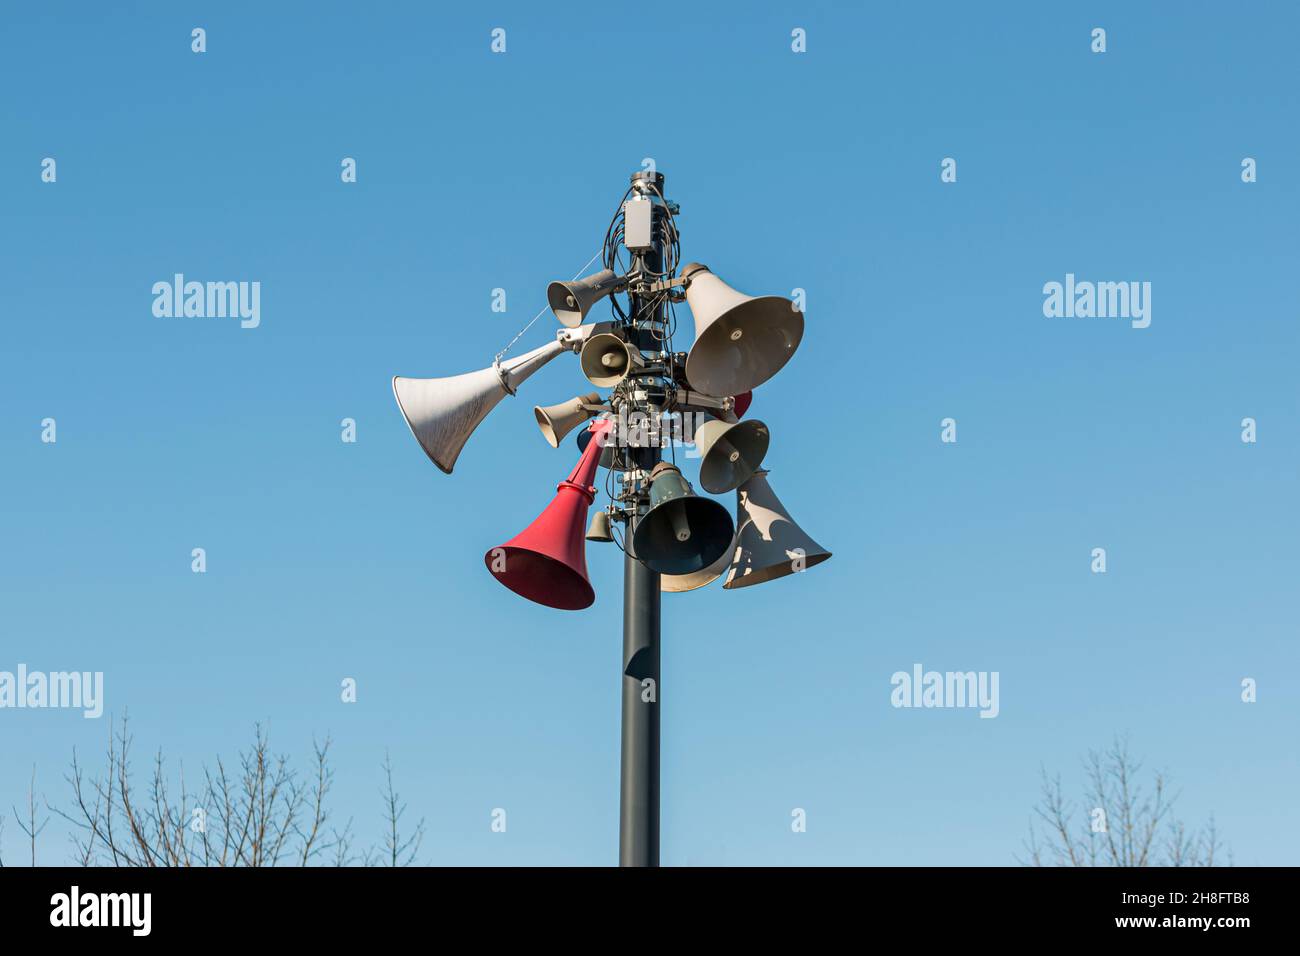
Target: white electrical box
637,220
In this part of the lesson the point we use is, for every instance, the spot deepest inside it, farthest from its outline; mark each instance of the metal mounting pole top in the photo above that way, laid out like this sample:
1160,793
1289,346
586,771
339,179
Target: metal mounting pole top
647,178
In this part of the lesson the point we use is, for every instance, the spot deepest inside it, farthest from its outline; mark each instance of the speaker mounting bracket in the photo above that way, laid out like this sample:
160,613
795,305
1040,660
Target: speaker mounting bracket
685,399
660,285
502,376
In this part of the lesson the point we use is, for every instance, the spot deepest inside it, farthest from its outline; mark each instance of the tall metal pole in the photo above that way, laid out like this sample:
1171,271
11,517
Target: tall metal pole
638,830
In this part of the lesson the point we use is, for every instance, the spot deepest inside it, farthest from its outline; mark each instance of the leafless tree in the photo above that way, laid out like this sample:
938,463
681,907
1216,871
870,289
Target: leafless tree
341,844
398,850
1124,824
31,827
258,812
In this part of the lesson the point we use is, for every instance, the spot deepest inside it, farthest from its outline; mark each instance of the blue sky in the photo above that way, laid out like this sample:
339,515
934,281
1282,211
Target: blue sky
924,301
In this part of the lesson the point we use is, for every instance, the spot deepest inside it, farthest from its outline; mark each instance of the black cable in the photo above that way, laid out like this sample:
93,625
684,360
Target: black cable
674,245
618,213
672,445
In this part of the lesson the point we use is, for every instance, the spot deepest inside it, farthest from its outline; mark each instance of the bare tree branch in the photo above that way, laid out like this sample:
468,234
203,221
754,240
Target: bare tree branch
1124,823
398,851
263,815
31,827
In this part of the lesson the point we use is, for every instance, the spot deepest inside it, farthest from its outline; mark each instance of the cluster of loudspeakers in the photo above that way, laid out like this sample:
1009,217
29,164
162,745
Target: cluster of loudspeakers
740,342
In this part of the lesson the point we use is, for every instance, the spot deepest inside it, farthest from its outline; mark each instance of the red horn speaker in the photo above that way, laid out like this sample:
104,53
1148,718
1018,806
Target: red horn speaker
546,562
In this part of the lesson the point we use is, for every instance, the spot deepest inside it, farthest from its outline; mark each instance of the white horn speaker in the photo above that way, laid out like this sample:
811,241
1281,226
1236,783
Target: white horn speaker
558,420
443,412
730,453
607,360
740,341
571,301
769,544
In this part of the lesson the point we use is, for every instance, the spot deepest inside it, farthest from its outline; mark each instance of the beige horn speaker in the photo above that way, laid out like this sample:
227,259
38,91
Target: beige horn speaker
571,301
598,530
558,420
740,340
607,360
443,412
769,544
730,453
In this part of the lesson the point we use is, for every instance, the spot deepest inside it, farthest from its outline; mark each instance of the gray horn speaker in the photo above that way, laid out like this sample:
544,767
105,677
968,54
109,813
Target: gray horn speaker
682,532
571,301
730,453
598,530
769,544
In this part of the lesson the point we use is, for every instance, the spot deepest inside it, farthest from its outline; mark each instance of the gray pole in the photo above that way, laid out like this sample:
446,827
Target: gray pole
638,829
638,824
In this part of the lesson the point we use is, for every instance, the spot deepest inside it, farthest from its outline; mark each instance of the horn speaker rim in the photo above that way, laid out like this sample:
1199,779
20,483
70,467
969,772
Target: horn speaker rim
406,417
774,572
544,579
682,583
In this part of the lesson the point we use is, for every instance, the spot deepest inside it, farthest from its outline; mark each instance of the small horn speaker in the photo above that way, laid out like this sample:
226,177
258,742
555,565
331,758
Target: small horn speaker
556,421
547,562
730,453
682,532
740,341
571,301
607,360
443,412
769,544
598,530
